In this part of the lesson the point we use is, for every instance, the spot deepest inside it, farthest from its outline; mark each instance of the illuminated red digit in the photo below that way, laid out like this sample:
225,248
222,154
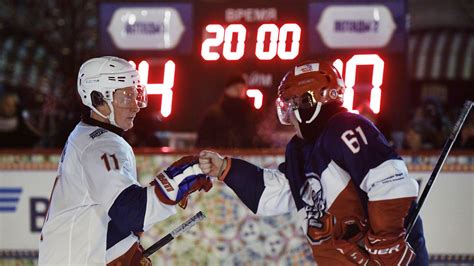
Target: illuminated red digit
258,97
212,42
295,41
241,36
272,49
377,78
165,88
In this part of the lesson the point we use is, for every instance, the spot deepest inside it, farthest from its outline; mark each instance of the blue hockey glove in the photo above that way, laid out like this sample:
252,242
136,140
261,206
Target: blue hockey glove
179,180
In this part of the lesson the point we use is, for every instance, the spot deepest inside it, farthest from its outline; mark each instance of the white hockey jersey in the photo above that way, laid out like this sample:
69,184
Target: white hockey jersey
97,206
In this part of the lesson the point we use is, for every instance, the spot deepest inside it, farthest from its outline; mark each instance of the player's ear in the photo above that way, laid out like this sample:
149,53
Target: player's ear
99,103
97,99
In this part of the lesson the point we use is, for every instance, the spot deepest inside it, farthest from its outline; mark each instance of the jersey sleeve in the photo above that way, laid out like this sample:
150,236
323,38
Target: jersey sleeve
358,147
110,174
264,191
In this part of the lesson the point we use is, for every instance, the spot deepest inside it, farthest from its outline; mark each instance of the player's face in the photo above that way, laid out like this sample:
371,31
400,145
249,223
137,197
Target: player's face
126,107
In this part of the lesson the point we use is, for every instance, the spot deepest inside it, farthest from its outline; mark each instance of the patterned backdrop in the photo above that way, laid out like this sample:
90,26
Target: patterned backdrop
231,234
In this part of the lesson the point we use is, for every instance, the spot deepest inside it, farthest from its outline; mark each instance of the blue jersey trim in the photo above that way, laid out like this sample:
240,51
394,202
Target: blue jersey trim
127,214
246,180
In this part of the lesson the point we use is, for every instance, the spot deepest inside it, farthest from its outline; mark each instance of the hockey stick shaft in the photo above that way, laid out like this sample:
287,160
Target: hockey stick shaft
173,234
439,164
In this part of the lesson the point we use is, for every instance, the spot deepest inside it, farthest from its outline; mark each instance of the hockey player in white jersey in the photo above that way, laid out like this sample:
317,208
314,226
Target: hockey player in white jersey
349,189
98,209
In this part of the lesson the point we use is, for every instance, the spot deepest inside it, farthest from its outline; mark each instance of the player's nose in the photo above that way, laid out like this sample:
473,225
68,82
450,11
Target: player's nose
134,108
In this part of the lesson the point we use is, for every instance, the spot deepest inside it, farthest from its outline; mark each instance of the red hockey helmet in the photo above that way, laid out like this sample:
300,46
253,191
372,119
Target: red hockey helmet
309,84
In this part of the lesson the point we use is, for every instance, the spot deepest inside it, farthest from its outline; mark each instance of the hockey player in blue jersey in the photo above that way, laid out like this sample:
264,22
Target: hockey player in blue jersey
348,187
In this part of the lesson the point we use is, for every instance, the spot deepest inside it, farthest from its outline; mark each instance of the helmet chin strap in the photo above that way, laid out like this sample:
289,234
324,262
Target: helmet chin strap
315,114
110,117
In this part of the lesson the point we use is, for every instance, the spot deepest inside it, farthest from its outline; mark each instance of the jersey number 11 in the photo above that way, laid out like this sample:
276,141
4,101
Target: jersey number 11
106,161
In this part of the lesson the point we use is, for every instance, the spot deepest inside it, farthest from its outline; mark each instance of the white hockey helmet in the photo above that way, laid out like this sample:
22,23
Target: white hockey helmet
105,75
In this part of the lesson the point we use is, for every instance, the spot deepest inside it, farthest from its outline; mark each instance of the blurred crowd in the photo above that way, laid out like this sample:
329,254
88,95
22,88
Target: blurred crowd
428,128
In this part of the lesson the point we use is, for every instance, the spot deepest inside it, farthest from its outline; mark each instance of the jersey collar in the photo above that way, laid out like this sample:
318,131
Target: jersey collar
109,127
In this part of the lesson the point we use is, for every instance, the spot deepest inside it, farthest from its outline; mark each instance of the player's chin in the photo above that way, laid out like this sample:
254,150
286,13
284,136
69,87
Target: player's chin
127,124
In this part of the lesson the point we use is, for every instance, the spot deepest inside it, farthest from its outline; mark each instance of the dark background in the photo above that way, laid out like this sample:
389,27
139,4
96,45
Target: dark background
43,44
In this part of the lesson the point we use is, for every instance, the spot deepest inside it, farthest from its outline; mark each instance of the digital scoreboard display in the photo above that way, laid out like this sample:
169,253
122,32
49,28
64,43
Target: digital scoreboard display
185,51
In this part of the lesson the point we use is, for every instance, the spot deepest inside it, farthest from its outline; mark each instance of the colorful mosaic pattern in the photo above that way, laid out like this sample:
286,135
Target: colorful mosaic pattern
153,161
231,234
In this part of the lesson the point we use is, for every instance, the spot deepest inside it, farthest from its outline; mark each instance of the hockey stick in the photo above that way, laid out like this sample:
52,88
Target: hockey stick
439,164
177,231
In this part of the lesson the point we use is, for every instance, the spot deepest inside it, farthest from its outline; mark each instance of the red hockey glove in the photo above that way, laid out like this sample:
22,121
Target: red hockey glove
389,250
180,179
352,232
353,252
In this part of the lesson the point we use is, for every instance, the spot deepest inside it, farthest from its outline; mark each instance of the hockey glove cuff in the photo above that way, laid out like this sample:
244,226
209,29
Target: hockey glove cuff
389,250
352,252
182,178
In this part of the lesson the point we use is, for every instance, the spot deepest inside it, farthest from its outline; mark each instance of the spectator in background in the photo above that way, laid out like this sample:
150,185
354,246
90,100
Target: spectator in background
466,136
432,123
14,131
412,140
232,121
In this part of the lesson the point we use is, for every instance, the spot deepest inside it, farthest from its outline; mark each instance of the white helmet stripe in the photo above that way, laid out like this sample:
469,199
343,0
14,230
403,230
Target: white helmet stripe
297,114
316,112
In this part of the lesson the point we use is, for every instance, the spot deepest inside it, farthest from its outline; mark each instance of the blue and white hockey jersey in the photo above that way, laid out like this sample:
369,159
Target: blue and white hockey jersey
97,207
346,182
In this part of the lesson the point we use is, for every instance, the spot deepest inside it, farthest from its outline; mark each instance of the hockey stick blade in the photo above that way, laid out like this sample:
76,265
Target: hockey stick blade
173,234
439,164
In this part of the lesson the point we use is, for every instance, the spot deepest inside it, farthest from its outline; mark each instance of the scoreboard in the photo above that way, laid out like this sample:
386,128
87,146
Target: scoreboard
185,51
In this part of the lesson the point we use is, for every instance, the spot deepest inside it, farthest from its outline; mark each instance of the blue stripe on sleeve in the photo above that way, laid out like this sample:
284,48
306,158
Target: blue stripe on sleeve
246,180
127,214
114,234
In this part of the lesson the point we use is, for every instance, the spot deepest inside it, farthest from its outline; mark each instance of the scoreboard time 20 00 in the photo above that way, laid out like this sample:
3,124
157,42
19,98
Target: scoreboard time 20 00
184,51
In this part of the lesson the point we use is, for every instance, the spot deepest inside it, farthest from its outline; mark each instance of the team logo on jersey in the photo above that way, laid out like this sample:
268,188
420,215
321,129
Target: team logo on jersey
320,223
97,133
312,193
